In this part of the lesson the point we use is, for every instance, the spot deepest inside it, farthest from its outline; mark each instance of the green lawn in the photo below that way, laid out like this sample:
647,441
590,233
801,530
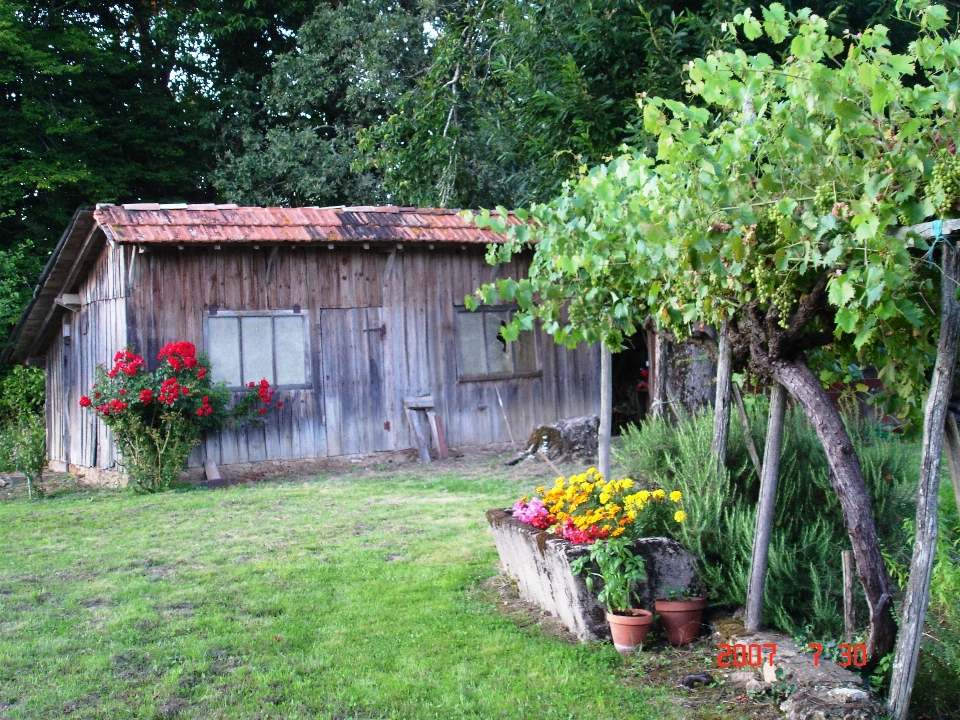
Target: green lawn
350,596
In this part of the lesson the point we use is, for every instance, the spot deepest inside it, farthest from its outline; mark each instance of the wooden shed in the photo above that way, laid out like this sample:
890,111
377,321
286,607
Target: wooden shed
347,311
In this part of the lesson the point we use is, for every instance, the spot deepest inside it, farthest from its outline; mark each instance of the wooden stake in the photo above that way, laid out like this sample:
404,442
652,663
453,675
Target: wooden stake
547,461
504,413
925,546
766,507
849,618
721,406
606,411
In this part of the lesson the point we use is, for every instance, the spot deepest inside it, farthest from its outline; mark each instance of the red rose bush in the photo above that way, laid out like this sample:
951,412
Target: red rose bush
158,418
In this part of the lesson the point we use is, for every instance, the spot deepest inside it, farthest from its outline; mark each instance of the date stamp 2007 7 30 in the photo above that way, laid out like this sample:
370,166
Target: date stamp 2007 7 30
752,655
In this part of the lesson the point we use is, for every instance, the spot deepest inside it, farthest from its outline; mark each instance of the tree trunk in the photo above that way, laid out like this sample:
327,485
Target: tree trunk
660,362
766,507
846,477
606,410
721,406
925,545
690,377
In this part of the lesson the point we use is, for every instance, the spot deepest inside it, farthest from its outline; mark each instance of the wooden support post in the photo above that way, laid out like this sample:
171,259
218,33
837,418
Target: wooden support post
436,430
849,618
766,507
931,448
745,423
721,406
952,445
661,358
418,434
606,410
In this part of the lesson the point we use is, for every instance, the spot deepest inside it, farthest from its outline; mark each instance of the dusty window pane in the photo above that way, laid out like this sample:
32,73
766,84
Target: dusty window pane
525,353
224,344
498,354
256,347
471,344
290,351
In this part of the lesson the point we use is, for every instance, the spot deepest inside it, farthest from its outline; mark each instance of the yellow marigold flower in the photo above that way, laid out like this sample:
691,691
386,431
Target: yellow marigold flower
600,483
659,494
617,532
599,476
604,498
680,516
591,471
644,495
540,490
588,487
626,483
676,495
631,516
559,482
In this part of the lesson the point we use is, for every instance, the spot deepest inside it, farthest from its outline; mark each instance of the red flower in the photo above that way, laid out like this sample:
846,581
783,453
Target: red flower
201,373
117,406
185,390
262,411
122,391
84,401
190,362
280,404
252,384
146,396
205,399
112,373
96,394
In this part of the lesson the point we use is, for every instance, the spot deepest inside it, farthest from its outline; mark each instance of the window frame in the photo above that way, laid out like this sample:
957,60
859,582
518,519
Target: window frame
307,353
511,309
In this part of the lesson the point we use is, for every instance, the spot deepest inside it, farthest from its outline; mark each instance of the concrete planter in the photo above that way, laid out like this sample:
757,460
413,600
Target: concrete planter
540,565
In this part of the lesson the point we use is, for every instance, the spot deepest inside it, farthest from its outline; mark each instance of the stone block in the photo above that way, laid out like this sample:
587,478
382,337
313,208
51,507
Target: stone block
540,565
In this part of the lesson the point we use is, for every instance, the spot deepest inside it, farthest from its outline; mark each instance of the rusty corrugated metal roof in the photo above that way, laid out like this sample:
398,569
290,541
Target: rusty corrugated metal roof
145,223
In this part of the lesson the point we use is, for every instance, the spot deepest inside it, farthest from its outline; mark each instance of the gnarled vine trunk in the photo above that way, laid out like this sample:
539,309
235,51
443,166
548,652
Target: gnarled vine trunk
846,477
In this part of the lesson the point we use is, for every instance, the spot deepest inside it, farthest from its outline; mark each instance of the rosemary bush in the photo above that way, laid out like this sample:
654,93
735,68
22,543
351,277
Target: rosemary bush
804,587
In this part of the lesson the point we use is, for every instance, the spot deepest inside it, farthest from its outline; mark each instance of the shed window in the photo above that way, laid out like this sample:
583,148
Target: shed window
485,355
247,347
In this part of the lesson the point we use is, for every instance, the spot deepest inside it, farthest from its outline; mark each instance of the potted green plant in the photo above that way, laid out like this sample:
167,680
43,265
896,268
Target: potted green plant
680,614
619,569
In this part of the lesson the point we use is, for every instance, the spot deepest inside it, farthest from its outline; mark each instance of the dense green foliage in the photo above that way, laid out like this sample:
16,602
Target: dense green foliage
353,595
116,102
23,428
727,221
296,144
519,96
804,585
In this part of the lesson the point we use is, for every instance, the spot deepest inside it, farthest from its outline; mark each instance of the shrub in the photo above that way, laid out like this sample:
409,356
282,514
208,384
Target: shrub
158,418
804,586
23,436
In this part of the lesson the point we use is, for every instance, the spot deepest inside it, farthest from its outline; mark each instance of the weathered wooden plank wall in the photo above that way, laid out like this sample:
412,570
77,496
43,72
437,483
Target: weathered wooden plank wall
359,376
97,331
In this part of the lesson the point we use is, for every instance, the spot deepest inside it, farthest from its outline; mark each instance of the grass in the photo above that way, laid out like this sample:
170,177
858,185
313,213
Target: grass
340,597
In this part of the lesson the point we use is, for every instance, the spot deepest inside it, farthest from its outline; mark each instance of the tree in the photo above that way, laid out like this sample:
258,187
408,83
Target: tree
119,102
296,144
779,227
520,95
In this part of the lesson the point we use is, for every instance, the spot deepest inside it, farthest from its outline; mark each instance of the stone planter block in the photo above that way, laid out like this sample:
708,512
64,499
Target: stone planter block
540,565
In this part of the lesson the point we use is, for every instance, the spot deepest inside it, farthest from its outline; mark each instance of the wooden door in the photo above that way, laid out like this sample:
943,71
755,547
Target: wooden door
354,380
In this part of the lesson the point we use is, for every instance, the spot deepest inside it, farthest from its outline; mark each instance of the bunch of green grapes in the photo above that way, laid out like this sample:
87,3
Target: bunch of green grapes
768,226
772,288
946,179
823,199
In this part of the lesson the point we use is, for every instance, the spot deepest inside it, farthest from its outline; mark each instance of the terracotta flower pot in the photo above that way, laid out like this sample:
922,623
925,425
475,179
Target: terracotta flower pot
629,629
681,618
